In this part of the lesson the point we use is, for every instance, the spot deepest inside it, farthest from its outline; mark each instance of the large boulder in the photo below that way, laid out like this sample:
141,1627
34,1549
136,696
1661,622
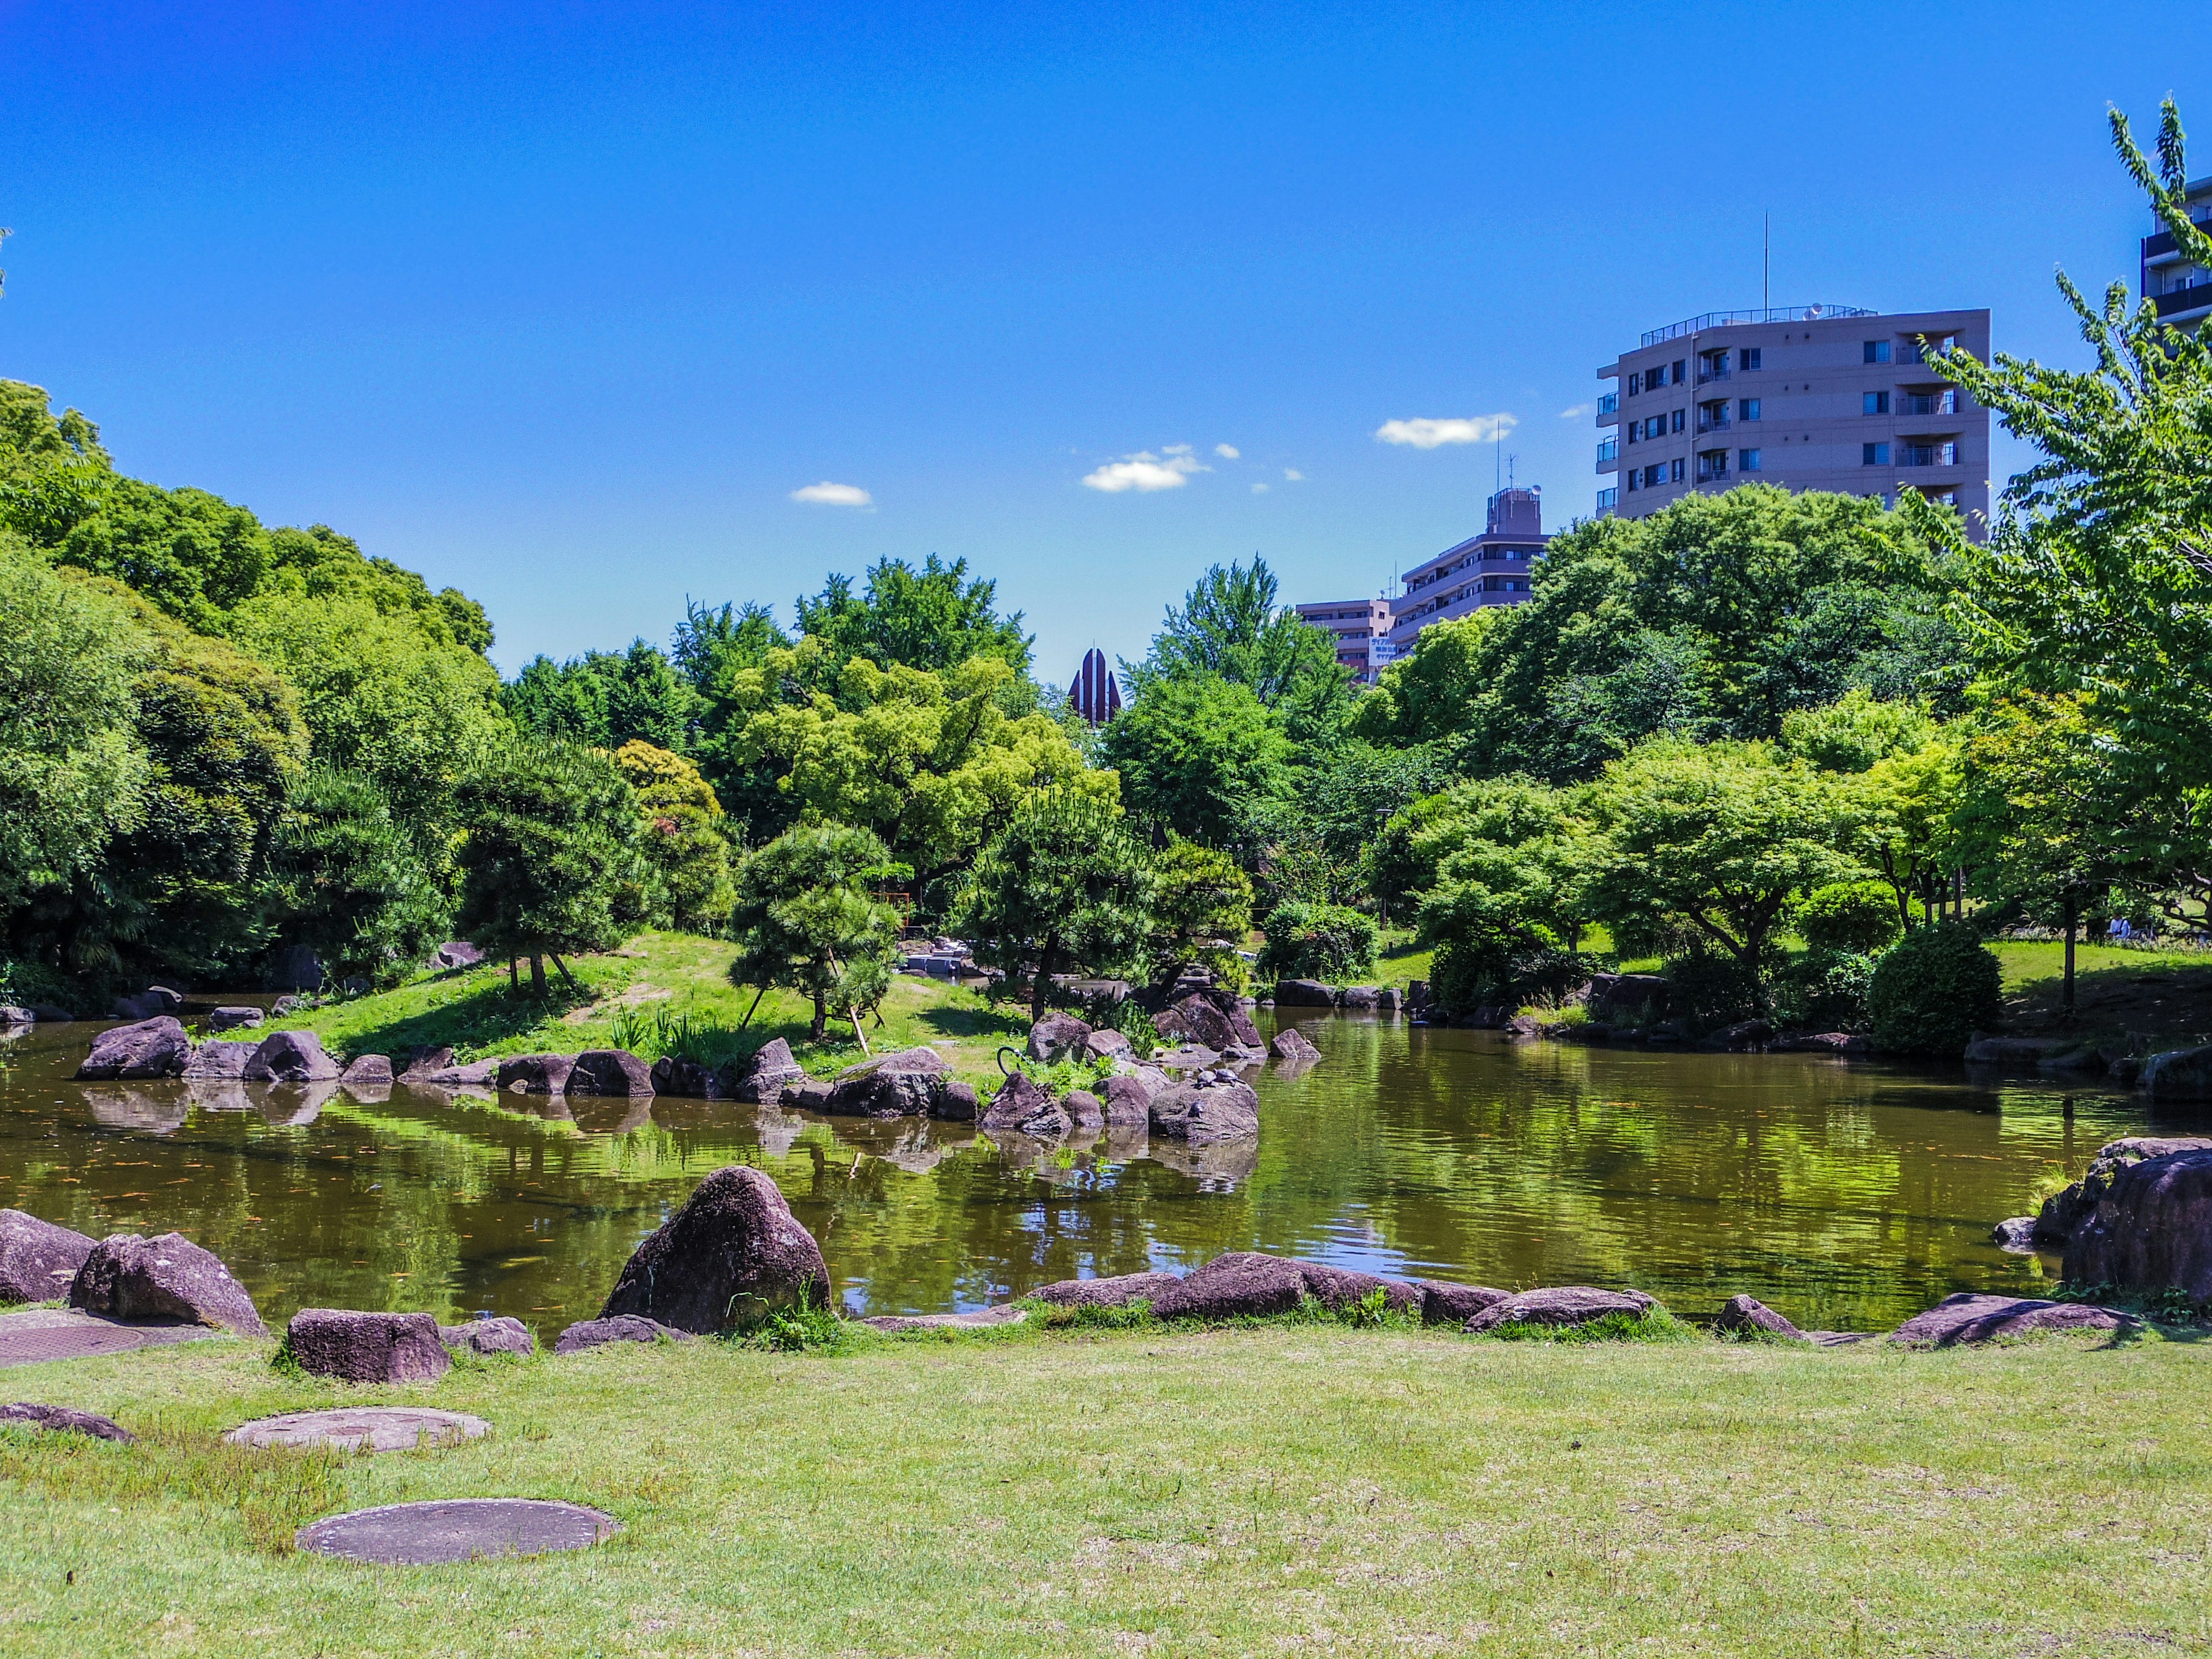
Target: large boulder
769,1073
904,1084
61,1419
1023,1106
1057,1038
1247,1283
587,1334
1293,1049
2153,1231
1745,1034
1968,1318
476,1074
218,1062
609,1071
168,1279
366,1071
2178,1074
2015,1233
732,1253
15,1014
1204,1113
1747,1316
154,1001
38,1259
2066,1210
1455,1304
686,1078
230,1020
1085,1109
1360,999
367,1348
489,1336
418,1064
291,1057
1564,1305
1211,1018
1128,1101
152,1047
1117,1292
1303,993
1108,1044
1627,997
535,1074
955,1103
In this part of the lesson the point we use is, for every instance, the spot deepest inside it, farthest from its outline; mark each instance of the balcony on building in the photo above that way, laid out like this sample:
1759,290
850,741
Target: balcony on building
1608,500
1608,455
1714,416
1712,464
1928,403
1942,453
1608,408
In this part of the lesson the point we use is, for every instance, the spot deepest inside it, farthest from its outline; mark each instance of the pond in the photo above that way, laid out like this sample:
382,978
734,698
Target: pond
1847,1194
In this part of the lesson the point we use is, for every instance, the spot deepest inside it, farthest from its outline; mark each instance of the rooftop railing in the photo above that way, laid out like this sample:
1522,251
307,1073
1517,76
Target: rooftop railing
1733,319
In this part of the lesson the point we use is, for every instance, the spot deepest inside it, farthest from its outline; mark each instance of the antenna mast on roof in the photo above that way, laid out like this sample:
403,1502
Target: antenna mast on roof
1766,260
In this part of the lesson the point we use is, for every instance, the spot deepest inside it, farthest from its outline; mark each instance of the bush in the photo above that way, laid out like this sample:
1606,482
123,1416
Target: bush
1854,918
1330,942
1933,990
1710,991
1823,990
1464,975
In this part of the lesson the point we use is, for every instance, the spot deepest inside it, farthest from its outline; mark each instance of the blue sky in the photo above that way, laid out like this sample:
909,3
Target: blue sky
562,304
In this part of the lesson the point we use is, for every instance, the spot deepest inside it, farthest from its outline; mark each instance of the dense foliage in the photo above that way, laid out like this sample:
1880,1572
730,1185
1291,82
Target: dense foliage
1934,990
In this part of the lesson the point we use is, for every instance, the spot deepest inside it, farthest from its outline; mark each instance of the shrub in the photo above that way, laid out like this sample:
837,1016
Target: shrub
1933,990
1331,942
1855,918
1465,975
1823,990
1710,991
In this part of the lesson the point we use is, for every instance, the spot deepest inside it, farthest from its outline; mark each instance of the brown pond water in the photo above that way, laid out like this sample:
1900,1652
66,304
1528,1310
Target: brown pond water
1849,1195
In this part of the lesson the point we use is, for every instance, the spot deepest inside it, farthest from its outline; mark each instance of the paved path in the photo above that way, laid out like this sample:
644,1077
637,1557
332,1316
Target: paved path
44,1333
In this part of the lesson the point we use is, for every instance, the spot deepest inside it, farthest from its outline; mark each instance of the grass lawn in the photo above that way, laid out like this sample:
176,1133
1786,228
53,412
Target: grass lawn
474,1013
2162,995
1283,1489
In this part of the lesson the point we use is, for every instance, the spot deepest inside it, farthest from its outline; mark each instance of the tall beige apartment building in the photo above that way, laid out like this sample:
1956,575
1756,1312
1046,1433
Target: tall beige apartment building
1807,396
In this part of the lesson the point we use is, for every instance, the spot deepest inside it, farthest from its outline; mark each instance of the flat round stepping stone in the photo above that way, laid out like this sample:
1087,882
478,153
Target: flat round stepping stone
44,1333
981,1319
457,1529
357,1428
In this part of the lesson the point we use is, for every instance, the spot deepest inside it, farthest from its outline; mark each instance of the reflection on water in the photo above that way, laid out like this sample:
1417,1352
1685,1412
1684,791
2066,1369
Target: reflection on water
1847,1195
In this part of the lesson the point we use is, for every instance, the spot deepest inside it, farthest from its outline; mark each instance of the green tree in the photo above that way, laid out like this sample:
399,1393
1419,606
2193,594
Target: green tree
1716,837
1198,755
1429,696
550,847
1230,626
805,919
349,882
1199,914
605,700
1308,939
1504,907
1934,990
1063,883
684,842
931,619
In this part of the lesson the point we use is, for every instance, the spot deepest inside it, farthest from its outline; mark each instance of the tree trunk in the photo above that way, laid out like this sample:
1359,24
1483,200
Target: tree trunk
2066,996
748,1019
537,977
821,1017
563,967
513,973
858,1034
1043,980
1959,894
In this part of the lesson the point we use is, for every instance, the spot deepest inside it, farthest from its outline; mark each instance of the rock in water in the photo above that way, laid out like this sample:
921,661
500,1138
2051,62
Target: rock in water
2014,1233
1292,1048
416,1064
1022,1107
769,1073
686,1079
168,1279
1057,1038
535,1074
368,1071
1967,1318
1204,1116
367,1348
1107,1044
1455,1304
216,1061
1304,994
225,1019
476,1074
2178,1074
152,1047
2152,1230
1115,1292
1084,1109
1128,1102
38,1259
489,1336
621,1327
1743,1315
732,1253
1213,1019
2063,1211
1246,1283
291,1057
904,1084
60,1419
1570,1304
609,1072
955,1103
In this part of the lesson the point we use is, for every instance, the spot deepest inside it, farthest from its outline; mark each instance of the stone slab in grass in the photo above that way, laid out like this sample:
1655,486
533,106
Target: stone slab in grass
358,1428
457,1529
43,1334
981,1319
62,1420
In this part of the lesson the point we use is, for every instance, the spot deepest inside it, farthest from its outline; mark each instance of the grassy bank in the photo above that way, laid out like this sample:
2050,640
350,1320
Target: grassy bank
1263,1491
2119,992
661,993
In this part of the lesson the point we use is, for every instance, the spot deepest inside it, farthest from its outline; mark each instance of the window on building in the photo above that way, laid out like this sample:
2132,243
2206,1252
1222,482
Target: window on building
1635,383
1747,409
1746,460
1874,454
1747,358
1877,351
1680,363
1632,484
1711,463
1875,403
1674,473
1681,419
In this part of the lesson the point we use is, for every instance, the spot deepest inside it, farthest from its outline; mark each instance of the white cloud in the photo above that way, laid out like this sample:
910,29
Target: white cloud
1227,452
834,495
1292,475
1428,434
1576,412
1258,489
1146,472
